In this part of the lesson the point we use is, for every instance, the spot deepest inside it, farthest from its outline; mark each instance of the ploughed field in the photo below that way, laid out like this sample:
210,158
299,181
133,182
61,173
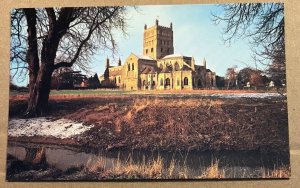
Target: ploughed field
168,122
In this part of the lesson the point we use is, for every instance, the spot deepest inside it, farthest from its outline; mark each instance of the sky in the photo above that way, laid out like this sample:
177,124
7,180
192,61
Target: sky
195,35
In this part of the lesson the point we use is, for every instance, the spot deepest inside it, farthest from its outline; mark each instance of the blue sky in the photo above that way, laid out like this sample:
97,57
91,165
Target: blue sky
195,34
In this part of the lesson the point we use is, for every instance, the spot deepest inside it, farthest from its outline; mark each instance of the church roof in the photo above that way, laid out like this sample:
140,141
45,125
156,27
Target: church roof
115,72
172,56
143,57
184,67
167,69
149,70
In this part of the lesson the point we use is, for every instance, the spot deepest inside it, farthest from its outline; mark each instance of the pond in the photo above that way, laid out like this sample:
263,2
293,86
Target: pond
233,164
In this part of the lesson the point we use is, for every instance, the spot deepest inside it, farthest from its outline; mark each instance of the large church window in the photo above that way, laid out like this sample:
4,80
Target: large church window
185,81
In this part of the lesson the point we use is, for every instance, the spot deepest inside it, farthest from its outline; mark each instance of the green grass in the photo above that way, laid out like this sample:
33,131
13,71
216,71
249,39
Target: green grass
76,92
88,91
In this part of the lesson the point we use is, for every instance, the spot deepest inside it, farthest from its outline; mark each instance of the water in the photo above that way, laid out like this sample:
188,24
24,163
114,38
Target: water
234,164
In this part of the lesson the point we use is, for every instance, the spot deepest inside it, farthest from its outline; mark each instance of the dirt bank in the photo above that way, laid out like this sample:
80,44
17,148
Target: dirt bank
175,123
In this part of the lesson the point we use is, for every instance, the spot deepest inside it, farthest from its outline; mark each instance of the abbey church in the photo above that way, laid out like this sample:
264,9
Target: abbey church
159,68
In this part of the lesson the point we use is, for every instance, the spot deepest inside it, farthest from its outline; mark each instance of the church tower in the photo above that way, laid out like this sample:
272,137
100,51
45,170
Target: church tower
158,41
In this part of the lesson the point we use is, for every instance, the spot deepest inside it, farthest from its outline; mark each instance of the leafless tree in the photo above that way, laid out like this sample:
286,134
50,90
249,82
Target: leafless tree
43,40
231,77
263,25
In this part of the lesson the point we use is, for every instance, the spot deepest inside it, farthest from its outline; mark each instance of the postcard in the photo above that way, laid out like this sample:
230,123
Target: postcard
148,92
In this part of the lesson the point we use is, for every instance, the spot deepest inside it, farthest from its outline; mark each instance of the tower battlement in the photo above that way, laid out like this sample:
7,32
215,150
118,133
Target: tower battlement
158,41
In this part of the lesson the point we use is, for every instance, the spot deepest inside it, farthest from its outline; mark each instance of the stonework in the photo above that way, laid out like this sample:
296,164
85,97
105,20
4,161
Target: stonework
159,68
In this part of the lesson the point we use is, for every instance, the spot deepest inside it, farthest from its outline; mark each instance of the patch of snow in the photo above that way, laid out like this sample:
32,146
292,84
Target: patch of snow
61,128
246,95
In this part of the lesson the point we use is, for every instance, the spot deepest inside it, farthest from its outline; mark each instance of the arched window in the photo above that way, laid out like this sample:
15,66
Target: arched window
151,49
153,83
168,82
161,82
132,67
185,81
176,66
128,67
161,50
115,80
146,51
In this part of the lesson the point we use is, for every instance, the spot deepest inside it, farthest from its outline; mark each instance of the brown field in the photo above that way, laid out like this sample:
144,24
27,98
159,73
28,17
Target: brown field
172,123
166,123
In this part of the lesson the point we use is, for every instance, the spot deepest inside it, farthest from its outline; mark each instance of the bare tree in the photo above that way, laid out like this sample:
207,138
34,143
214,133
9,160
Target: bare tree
43,40
263,25
231,77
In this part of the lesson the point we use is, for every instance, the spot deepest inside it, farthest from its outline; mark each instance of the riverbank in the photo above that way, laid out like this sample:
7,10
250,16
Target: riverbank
36,162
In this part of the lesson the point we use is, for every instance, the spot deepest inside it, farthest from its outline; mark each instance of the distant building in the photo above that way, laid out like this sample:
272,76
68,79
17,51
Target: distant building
158,67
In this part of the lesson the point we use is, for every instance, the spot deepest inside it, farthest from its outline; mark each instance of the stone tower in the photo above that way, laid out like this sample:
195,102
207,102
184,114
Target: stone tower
158,41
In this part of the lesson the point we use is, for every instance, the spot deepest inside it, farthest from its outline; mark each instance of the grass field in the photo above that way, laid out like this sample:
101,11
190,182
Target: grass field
120,91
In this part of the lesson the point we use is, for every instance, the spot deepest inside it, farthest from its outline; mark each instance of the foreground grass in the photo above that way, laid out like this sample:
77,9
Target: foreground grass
157,169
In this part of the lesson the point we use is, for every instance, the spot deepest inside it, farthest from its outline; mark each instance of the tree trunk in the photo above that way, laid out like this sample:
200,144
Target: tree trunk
39,95
36,155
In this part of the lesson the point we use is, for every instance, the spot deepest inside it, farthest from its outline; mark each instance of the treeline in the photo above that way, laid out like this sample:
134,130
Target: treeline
273,77
66,78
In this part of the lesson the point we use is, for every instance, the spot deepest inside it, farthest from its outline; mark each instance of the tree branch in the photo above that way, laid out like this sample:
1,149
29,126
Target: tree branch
93,27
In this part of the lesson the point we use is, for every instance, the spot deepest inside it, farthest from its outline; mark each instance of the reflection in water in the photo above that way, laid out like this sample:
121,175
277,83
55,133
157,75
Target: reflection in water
35,155
236,164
